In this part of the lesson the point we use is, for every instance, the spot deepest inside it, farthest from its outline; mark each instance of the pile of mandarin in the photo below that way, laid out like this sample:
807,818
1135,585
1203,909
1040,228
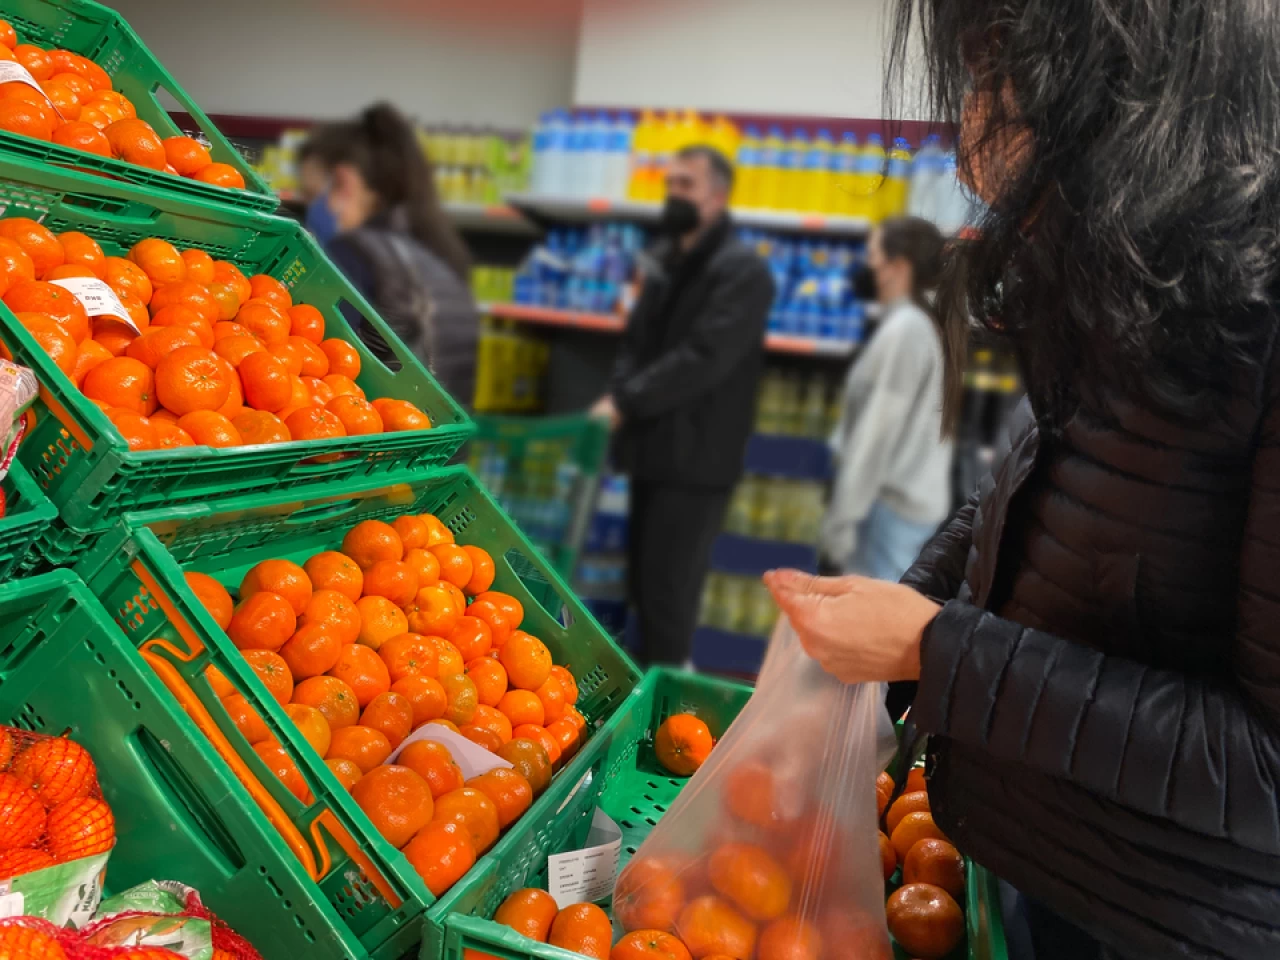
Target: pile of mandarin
924,913
217,359
366,645
75,107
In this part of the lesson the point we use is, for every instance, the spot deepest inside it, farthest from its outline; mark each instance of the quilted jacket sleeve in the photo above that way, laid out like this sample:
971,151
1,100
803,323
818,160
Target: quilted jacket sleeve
939,570
1202,751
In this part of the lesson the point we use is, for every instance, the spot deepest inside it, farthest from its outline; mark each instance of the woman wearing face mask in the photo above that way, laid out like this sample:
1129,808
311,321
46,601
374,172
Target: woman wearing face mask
893,465
1096,634
375,209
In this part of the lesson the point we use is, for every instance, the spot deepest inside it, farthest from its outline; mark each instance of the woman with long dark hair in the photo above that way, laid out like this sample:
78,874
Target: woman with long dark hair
1096,635
893,457
392,237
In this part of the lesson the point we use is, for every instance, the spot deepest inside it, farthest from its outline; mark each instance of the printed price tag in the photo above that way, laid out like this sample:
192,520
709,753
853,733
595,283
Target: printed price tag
98,299
587,875
471,757
12,905
13,72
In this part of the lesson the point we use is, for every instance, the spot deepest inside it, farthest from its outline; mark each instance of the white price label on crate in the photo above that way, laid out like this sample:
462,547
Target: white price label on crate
12,905
587,875
13,72
98,299
471,757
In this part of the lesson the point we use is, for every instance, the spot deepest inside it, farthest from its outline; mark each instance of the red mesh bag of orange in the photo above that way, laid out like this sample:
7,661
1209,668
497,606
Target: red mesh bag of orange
770,851
163,915
29,938
51,806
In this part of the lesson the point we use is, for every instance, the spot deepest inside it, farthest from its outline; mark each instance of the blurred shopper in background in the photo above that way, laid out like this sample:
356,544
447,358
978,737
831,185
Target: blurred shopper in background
683,396
893,462
1096,634
375,199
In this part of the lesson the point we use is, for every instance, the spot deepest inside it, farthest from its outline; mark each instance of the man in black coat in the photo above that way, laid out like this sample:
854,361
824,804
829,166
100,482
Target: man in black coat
683,396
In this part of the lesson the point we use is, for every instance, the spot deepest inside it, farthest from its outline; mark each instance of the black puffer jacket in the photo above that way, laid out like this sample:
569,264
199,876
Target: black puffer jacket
690,362
1102,685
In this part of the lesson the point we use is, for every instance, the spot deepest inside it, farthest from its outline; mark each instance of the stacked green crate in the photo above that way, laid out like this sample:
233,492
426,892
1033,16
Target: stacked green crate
545,471
381,906
81,461
103,36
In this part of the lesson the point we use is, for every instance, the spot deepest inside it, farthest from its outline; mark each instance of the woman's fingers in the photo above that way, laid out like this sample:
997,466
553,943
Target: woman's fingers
796,581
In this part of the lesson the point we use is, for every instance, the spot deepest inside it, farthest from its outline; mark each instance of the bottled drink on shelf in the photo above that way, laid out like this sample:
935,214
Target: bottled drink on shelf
771,169
723,135
818,173
643,156
617,164
893,193
868,177
551,170
845,165
794,172
595,144
747,192
956,205
926,169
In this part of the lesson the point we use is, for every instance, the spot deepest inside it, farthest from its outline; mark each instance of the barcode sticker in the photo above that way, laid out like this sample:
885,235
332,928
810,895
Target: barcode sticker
98,299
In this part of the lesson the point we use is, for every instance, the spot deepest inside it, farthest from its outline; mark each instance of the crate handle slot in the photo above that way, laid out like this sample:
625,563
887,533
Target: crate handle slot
533,576
321,463
101,208
320,512
163,767
191,702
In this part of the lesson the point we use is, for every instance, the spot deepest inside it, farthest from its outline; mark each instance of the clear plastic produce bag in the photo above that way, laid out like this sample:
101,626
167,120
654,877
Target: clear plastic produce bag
771,850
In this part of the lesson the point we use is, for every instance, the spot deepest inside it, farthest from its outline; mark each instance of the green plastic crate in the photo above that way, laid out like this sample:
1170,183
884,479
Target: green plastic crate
66,667
103,36
27,513
529,462
639,791
137,571
81,461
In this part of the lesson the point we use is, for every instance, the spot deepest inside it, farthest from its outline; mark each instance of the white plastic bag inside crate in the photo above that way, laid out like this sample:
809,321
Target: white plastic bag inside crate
771,850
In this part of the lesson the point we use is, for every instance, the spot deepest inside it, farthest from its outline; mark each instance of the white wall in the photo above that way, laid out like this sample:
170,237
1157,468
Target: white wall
480,61
804,57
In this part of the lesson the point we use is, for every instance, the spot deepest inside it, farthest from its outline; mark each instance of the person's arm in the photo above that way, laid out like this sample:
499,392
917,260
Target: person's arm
729,327
1201,750
881,392
939,570
937,574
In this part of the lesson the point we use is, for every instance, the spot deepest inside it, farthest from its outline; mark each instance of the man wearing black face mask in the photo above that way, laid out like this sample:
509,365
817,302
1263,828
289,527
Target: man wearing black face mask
683,396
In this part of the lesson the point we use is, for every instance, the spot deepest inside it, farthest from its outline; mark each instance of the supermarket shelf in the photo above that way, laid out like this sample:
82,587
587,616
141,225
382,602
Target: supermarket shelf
810,346
602,322
492,218
750,557
555,209
721,651
612,323
795,458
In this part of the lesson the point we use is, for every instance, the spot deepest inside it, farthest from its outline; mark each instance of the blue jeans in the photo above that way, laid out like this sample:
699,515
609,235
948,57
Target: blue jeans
887,544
